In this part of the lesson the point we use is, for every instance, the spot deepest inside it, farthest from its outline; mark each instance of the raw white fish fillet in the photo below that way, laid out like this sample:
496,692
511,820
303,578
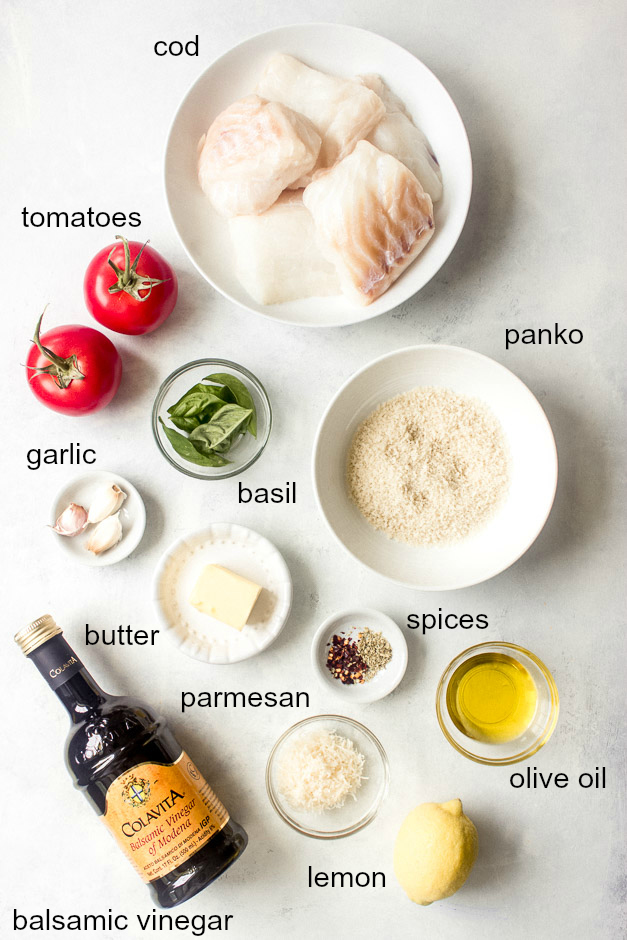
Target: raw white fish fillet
391,101
372,219
342,110
397,134
251,152
277,255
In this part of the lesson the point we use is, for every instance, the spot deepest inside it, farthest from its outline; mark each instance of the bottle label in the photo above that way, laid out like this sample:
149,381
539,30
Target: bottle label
56,661
161,814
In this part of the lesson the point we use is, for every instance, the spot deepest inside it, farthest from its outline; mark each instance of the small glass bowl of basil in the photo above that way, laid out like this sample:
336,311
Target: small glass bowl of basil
211,419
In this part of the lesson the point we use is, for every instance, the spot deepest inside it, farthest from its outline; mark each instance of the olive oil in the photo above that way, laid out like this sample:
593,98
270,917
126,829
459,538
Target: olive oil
148,792
492,698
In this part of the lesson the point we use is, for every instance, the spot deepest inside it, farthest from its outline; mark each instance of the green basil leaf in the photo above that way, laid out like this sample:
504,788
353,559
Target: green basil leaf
194,402
241,393
184,448
204,440
204,448
187,424
226,424
222,392
209,412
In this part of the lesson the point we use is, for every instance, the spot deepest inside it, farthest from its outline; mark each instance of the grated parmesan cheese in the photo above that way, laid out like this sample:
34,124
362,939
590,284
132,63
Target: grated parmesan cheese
319,770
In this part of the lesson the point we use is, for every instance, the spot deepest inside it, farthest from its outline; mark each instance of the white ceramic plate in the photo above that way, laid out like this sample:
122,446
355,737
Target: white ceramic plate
515,525
245,553
82,490
349,623
343,50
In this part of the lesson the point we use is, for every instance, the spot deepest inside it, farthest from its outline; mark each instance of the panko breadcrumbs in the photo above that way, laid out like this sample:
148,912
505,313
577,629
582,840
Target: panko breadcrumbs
428,466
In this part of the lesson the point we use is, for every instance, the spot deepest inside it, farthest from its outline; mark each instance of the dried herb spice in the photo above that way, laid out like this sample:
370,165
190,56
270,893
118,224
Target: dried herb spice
344,661
374,650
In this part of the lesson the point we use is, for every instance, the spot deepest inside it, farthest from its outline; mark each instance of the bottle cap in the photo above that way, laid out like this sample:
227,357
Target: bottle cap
36,633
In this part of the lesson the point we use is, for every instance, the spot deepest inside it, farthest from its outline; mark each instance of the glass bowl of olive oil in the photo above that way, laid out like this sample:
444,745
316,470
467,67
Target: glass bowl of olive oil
497,703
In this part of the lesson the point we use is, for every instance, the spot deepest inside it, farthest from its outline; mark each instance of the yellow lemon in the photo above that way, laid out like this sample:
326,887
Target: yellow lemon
435,849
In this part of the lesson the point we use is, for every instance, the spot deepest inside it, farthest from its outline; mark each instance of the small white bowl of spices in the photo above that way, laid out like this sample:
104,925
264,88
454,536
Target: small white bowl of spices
360,655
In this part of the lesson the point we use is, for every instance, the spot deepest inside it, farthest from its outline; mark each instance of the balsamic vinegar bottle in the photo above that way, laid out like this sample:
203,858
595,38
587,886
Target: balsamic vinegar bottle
150,795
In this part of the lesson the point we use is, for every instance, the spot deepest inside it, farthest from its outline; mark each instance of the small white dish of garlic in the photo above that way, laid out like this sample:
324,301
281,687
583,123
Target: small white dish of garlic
98,518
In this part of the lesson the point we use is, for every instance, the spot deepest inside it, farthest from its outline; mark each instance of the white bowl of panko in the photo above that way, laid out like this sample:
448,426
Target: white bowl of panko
318,174
435,467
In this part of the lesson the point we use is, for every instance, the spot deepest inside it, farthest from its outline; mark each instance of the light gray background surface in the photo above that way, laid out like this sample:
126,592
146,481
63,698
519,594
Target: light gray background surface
87,105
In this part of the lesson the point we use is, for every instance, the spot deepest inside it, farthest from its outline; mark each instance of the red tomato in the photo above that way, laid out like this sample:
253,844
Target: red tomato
73,369
130,288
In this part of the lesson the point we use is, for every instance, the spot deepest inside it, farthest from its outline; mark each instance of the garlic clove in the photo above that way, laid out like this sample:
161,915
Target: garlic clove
71,522
106,534
107,500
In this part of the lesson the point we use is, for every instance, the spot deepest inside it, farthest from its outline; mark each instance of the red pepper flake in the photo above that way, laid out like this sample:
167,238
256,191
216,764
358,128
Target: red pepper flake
344,662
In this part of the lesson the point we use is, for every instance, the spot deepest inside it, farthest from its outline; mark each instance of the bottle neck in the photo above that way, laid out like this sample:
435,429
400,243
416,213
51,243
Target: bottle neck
65,674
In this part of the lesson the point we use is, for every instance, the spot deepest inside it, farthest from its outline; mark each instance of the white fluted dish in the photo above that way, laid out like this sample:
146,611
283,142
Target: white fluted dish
244,552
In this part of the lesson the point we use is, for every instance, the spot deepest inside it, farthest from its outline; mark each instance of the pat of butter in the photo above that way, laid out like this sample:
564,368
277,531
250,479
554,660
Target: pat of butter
227,596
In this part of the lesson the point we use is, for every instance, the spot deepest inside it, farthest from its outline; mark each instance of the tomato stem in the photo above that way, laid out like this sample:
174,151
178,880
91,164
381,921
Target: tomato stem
63,371
128,280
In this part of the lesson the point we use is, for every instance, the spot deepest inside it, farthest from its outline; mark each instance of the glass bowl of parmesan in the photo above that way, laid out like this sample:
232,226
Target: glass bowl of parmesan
327,776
